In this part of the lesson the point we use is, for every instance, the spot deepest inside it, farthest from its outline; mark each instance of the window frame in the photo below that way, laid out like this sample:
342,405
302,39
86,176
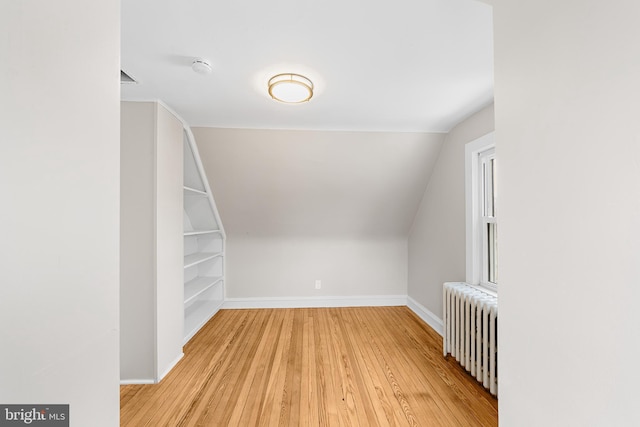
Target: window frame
476,153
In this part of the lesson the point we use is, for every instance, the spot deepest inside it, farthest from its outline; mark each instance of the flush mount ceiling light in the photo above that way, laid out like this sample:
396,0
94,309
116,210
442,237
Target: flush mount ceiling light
290,88
201,66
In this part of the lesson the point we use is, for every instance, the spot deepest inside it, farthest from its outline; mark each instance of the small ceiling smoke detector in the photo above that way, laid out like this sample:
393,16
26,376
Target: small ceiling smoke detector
290,88
201,66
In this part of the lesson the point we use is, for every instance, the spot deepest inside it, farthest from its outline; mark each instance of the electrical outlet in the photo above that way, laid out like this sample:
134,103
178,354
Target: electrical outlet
318,284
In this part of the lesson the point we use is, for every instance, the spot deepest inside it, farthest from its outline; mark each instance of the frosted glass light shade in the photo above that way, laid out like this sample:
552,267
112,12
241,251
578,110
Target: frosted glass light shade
290,88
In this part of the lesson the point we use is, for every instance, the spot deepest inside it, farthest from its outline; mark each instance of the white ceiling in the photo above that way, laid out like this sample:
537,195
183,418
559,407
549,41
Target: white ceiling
402,65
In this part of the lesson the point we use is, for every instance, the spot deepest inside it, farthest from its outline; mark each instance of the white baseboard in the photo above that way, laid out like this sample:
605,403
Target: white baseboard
311,302
128,382
422,312
151,380
170,367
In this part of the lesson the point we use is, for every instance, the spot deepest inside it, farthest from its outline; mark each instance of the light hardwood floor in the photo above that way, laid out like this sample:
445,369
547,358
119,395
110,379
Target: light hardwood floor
365,366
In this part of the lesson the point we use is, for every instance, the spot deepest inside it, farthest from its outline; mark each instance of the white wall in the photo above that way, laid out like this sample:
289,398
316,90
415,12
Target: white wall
568,146
277,267
303,205
59,181
437,236
137,231
169,240
151,236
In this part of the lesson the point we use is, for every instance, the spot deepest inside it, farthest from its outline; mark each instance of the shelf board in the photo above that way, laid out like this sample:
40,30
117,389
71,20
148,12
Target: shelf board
188,191
197,315
197,258
198,232
195,287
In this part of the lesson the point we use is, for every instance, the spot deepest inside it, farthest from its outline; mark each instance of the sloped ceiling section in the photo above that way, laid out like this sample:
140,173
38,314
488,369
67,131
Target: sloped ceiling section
319,184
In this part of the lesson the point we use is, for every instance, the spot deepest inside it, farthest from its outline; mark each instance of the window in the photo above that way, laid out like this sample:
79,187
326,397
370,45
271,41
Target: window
481,194
488,225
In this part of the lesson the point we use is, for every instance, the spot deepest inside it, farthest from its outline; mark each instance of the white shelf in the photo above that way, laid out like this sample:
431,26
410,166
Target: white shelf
197,315
193,288
197,258
199,232
204,241
188,191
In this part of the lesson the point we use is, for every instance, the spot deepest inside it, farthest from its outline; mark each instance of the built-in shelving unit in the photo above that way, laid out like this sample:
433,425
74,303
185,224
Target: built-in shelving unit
204,245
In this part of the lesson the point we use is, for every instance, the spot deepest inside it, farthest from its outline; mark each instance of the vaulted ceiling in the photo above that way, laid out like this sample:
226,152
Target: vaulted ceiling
317,183
406,65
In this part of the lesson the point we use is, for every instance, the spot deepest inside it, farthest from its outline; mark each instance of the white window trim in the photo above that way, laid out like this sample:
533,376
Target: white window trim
472,208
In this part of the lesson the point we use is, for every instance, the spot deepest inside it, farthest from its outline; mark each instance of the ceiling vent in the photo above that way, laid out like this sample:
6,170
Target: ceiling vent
126,78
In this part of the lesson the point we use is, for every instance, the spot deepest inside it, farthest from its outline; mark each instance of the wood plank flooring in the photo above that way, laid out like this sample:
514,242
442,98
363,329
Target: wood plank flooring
364,366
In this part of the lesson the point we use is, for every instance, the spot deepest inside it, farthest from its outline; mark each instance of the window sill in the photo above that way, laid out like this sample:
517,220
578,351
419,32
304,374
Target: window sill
484,289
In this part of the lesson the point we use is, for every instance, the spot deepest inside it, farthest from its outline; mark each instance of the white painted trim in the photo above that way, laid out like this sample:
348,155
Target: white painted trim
471,151
309,302
425,314
170,367
130,382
